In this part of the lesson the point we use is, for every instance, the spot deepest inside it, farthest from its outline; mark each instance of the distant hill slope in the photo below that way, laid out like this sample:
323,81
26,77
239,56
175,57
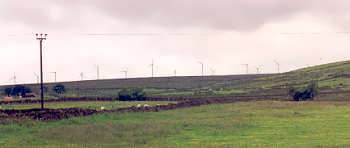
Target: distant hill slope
331,77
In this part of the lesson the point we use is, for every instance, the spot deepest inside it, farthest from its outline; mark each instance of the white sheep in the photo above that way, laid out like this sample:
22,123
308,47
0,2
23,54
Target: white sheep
138,105
102,108
146,105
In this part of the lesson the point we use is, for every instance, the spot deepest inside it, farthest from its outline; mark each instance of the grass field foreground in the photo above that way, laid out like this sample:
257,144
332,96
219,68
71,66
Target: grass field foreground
250,124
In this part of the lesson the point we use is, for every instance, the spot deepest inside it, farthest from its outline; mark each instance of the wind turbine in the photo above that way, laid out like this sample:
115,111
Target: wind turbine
14,78
212,71
278,66
246,67
97,71
125,73
202,67
82,76
257,69
55,73
152,65
37,78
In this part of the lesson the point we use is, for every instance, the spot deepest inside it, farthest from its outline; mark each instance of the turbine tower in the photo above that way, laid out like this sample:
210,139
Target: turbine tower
82,76
97,72
55,74
37,78
14,78
152,65
277,66
125,73
246,68
202,67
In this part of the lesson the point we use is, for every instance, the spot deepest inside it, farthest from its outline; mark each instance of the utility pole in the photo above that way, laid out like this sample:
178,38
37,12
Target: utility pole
55,74
37,78
41,37
175,72
278,66
125,73
152,65
202,68
246,67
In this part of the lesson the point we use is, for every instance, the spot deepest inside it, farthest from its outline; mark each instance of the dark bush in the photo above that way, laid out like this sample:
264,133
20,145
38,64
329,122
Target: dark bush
18,90
59,89
132,94
307,93
8,91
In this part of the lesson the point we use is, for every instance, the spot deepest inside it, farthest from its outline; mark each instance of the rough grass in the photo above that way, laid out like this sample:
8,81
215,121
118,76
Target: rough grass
83,104
251,124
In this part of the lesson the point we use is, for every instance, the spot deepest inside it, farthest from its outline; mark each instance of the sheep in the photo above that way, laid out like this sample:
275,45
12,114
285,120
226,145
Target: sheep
146,105
138,105
102,108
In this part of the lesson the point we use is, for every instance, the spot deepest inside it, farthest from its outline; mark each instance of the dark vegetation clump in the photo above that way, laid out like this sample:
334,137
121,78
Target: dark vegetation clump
304,94
17,91
132,94
59,89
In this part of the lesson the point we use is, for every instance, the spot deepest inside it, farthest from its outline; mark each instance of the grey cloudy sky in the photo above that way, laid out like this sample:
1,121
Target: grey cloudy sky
119,35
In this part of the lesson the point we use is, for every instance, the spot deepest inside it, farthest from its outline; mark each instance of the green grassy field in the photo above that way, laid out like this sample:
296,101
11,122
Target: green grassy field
249,124
84,104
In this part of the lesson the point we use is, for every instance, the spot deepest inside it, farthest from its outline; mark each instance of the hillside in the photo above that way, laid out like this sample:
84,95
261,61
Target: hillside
332,77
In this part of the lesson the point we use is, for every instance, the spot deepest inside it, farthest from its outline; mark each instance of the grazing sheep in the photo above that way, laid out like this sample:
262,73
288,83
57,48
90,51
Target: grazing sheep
102,108
138,105
146,105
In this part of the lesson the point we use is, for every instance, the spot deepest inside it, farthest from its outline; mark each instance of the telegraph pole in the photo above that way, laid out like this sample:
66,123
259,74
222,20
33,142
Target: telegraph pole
41,37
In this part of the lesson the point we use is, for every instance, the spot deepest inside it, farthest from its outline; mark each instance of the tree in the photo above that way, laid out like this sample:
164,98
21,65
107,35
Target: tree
59,89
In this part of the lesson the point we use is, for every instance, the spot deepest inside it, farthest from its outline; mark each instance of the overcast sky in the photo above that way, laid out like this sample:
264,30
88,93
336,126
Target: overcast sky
127,34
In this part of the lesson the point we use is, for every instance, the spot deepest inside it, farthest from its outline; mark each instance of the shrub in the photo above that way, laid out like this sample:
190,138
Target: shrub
59,89
307,93
18,90
132,94
8,91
